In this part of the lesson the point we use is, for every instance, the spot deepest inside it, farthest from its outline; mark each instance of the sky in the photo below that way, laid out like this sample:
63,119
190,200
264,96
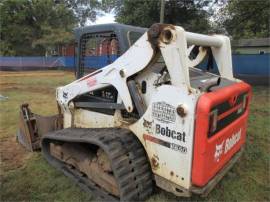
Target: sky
106,18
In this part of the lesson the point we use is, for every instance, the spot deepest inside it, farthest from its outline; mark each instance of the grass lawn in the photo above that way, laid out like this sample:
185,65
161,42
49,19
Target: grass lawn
26,176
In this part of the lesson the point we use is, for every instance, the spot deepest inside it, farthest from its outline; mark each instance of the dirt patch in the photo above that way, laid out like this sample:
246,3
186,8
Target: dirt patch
3,84
43,90
8,86
26,88
13,155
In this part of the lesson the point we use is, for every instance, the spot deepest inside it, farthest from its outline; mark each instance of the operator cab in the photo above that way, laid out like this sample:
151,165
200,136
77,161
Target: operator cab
100,45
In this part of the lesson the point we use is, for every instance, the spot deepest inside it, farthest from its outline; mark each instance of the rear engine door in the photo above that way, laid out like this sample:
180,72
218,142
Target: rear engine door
221,122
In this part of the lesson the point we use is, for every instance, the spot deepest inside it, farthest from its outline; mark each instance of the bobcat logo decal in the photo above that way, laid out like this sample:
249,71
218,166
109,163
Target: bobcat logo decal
148,126
230,142
219,151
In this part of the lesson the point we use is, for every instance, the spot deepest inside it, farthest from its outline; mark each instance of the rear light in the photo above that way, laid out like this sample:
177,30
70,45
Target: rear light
244,104
245,101
213,121
226,112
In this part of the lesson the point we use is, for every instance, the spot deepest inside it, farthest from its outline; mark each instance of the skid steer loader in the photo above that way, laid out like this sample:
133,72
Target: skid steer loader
150,117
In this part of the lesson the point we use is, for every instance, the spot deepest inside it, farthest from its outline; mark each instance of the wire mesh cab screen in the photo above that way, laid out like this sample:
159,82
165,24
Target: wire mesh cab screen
98,50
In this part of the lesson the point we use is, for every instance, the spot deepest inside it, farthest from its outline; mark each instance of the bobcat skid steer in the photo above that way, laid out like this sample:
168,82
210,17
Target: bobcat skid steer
149,118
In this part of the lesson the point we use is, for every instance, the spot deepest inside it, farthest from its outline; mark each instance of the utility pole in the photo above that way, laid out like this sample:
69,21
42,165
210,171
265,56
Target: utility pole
162,7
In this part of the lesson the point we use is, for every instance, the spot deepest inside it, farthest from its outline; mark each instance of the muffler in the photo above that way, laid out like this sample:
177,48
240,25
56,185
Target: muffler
209,83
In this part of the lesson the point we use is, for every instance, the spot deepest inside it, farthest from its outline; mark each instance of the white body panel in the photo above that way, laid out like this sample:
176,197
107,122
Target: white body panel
86,119
169,159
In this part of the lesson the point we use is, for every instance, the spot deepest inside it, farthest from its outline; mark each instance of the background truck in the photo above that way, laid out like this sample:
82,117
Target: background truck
149,117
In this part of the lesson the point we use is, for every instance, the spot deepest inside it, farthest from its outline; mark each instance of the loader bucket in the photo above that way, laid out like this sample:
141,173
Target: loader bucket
33,126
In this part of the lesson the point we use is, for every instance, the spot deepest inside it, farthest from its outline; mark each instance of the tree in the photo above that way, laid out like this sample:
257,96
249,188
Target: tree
246,19
188,13
16,27
30,27
54,25
85,10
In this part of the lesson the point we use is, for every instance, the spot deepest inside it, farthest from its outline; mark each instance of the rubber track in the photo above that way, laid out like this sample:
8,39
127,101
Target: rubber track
128,160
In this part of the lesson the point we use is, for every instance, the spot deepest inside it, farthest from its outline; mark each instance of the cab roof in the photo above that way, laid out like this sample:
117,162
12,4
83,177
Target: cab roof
116,27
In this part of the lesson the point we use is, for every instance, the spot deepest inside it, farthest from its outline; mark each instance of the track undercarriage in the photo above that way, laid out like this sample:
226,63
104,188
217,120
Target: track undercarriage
109,162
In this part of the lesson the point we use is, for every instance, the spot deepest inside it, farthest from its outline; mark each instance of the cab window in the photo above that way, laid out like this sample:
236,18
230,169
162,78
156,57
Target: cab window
133,37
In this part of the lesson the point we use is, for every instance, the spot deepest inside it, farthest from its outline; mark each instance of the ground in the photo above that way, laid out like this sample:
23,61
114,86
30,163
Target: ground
26,176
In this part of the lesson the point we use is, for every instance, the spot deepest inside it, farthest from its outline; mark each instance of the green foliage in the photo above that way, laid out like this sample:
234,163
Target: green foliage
188,14
138,13
31,27
16,27
246,19
55,24
85,9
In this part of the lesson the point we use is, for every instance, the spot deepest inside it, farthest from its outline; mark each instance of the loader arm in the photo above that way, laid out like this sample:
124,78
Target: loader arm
173,43
115,74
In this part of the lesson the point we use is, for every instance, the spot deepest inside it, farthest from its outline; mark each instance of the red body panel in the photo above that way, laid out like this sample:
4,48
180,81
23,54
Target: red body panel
205,164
